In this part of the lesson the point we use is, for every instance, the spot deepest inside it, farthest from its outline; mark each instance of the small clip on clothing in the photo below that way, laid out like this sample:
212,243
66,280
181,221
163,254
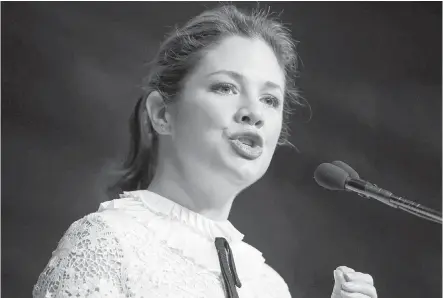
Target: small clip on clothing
227,266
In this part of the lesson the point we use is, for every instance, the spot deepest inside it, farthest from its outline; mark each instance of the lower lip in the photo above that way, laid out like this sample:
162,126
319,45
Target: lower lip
246,151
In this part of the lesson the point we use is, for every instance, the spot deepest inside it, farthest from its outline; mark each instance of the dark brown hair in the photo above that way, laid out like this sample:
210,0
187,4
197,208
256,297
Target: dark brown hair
178,54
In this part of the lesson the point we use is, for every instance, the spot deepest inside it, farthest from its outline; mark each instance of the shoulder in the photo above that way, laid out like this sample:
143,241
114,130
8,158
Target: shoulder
274,283
89,252
111,215
273,275
269,280
91,232
106,224
94,222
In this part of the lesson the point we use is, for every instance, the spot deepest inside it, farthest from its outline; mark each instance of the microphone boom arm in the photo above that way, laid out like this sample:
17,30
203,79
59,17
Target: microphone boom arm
369,190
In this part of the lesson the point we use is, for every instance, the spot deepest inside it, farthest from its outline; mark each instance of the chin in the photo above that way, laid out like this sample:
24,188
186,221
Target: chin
248,172
245,171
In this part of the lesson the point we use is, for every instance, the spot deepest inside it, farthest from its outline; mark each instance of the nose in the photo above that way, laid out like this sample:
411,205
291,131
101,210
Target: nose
250,116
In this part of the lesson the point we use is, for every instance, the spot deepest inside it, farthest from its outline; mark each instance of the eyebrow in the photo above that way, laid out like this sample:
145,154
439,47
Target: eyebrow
239,76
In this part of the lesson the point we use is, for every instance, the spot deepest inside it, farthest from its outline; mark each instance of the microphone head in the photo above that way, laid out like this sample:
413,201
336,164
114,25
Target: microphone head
352,173
330,176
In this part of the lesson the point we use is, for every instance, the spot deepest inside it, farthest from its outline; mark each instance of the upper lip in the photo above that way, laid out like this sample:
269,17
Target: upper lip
256,139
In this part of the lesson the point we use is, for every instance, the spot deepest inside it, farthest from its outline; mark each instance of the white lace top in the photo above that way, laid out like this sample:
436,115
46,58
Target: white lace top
144,245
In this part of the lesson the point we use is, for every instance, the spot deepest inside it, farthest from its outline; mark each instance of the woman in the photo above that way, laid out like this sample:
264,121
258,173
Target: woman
216,106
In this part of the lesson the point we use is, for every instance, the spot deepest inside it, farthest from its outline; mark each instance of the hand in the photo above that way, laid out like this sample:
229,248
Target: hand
351,284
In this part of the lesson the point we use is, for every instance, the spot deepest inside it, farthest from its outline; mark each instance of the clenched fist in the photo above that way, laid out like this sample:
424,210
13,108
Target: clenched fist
352,284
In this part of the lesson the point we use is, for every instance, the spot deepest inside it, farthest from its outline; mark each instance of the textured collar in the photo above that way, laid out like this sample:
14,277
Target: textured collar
202,225
188,232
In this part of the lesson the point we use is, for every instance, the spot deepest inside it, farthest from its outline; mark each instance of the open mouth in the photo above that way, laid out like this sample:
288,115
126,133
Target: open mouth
247,142
248,145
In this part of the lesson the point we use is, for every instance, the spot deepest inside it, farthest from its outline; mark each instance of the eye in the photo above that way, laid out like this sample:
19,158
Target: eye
271,101
224,88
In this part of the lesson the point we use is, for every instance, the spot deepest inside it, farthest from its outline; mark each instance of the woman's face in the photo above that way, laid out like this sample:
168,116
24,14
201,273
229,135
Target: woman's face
228,119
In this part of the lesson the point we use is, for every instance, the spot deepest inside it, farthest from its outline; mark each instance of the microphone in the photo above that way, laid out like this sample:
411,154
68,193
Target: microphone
340,176
352,173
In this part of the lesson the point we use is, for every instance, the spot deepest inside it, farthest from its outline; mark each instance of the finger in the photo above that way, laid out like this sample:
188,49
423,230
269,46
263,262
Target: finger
345,269
358,276
339,280
345,294
363,288
339,277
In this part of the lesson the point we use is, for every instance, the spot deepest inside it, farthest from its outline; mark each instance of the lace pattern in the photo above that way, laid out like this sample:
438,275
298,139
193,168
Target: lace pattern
128,250
86,263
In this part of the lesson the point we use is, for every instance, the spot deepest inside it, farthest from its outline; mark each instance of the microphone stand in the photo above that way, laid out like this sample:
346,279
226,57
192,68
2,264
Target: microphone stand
417,209
368,190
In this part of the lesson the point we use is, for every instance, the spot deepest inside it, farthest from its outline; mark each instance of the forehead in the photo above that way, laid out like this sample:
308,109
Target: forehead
252,58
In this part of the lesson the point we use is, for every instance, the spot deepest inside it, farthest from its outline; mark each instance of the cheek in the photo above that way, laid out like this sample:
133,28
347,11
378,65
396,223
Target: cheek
274,130
200,120
205,111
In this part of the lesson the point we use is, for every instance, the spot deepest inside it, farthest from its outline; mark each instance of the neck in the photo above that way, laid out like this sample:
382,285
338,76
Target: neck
212,200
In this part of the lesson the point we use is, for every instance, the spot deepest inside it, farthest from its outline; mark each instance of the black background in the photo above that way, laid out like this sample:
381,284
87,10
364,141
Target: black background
371,72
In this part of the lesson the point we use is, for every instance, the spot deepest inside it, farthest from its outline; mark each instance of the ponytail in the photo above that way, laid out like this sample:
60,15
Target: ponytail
138,169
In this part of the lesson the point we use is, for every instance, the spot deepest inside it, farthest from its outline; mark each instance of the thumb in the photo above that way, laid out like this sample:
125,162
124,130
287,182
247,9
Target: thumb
339,277
339,280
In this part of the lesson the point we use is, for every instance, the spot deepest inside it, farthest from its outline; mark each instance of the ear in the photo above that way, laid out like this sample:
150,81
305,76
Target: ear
156,108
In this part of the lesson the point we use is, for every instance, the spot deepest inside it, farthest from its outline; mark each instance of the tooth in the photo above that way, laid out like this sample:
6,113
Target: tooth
245,141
